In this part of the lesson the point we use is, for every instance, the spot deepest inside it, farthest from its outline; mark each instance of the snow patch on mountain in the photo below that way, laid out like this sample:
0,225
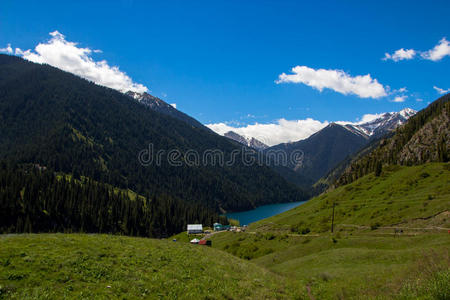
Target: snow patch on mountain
248,141
381,124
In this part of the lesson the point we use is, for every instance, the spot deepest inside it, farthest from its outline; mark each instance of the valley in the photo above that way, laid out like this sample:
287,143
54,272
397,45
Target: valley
224,150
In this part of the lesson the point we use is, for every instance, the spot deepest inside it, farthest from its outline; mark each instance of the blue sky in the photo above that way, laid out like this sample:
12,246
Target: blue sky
219,60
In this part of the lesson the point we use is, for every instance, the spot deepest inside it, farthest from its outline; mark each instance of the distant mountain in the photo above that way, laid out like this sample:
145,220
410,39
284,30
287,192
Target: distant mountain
250,142
424,138
381,125
325,149
163,107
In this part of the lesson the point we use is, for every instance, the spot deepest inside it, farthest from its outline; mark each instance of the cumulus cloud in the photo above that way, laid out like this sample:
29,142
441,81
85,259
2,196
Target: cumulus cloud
441,91
364,86
68,56
400,98
286,131
7,49
400,54
282,131
174,105
439,51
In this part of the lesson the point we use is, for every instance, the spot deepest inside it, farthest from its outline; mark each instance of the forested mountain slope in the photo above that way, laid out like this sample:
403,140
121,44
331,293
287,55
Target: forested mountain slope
424,138
163,107
67,124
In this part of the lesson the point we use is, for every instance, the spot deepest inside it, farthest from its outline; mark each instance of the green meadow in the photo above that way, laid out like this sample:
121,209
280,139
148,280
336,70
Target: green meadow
390,241
83,266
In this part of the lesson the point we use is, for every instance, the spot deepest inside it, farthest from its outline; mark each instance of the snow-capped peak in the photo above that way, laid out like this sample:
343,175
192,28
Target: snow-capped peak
245,140
407,112
381,123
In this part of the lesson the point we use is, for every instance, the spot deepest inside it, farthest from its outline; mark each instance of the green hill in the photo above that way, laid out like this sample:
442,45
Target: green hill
74,266
398,196
390,238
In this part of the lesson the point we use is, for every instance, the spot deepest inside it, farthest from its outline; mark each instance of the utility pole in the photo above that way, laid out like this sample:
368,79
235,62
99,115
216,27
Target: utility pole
332,217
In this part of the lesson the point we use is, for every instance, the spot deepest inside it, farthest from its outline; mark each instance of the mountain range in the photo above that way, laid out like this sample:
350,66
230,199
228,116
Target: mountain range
382,124
72,127
323,150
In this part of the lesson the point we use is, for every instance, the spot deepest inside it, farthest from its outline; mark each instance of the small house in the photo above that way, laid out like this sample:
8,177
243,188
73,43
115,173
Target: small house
194,228
205,242
218,227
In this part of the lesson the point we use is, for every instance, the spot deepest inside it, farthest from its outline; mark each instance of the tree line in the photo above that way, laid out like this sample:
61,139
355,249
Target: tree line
33,199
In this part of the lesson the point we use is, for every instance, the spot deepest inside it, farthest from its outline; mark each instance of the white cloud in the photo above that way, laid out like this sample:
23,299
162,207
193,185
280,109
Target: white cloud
336,80
441,91
400,98
368,118
364,119
7,49
282,131
400,54
285,131
419,99
69,57
441,50
174,105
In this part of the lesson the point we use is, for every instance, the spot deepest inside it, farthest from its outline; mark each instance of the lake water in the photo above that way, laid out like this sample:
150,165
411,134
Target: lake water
262,212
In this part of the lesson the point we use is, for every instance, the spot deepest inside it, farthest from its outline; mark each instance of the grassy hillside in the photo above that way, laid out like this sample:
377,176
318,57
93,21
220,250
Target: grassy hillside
399,195
390,241
365,258
356,265
53,266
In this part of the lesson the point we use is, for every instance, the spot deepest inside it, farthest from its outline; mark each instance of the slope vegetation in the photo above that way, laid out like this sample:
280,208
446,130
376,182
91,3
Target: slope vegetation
390,238
67,124
424,138
398,195
57,266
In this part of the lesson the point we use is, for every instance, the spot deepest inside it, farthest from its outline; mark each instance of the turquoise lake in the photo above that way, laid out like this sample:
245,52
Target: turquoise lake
262,212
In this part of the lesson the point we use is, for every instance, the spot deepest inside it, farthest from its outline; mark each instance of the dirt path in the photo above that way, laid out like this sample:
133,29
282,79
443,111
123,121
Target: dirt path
308,288
395,227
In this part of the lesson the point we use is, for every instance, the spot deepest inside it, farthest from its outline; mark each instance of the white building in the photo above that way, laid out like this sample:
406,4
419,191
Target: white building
194,228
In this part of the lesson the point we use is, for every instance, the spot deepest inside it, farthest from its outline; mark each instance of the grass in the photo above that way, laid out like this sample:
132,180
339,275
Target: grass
367,257
291,255
399,195
56,266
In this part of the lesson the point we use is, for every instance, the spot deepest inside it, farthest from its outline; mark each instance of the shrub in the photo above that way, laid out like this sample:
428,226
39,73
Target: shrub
269,236
305,230
424,175
375,226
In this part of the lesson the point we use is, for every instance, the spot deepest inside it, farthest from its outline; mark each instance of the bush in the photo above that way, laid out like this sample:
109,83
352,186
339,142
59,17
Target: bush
305,230
325,276
375,226
269,236
424,175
